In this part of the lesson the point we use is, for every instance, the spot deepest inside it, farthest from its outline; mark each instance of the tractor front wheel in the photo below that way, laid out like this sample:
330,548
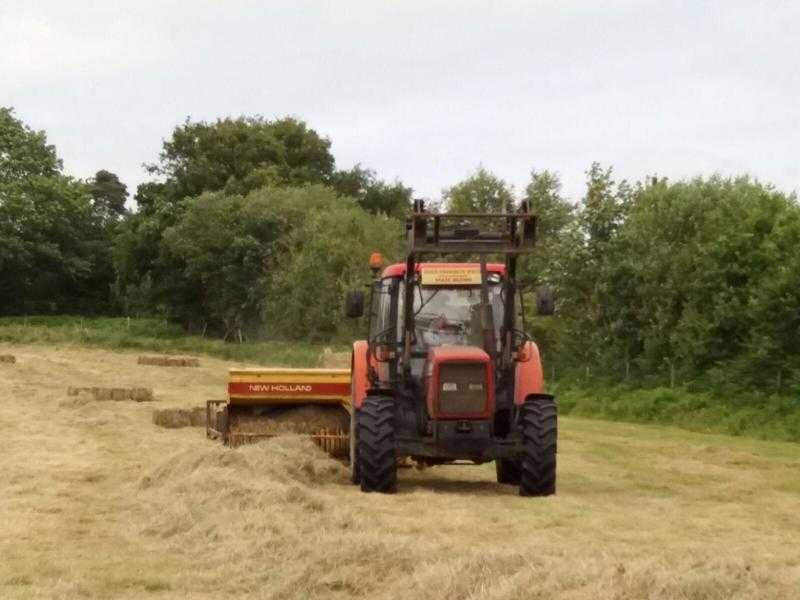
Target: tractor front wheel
539,420
375,445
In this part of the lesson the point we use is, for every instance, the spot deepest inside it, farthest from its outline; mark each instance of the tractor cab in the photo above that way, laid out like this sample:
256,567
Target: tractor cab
447,367
446,307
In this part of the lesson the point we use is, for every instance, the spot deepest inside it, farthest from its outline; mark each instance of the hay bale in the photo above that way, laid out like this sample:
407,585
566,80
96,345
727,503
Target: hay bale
8,358
172,418
168,361
142,394
157,361
116,394
198,416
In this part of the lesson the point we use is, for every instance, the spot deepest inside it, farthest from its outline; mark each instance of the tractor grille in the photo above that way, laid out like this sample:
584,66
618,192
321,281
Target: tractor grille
462,389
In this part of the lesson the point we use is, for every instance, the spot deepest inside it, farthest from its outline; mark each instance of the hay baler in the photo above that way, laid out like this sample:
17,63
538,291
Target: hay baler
265,402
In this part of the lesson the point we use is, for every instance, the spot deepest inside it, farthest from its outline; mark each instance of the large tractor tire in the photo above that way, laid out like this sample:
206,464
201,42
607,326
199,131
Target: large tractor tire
508,470
375,445
539,420
355,475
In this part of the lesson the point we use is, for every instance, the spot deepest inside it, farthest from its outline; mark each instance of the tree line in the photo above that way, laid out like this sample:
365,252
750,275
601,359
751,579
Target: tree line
248,230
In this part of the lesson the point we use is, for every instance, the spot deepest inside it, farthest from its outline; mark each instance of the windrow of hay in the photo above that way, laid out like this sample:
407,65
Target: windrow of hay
8,358
136,394
168,361
282,460
175,418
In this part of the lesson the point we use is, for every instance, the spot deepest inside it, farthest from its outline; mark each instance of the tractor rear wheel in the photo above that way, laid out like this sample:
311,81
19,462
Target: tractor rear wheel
539,420
508,470
375,445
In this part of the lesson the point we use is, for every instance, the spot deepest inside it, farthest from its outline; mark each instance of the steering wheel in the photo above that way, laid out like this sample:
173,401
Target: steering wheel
440,322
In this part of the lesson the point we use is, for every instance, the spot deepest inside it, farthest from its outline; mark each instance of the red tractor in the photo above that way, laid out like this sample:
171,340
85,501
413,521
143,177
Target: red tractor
447,372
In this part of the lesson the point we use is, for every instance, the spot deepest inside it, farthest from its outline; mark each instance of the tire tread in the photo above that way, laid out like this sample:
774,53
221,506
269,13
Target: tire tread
539,420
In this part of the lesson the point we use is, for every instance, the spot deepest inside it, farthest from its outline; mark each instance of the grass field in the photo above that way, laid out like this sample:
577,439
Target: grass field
98,502
153,335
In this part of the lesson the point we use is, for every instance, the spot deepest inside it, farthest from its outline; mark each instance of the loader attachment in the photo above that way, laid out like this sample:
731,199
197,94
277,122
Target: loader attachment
263,403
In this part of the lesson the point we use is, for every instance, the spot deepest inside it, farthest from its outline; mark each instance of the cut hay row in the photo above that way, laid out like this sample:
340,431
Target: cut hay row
8,358
175,418
103,393
168,361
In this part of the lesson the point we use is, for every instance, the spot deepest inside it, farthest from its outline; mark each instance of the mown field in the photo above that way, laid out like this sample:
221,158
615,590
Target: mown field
98,502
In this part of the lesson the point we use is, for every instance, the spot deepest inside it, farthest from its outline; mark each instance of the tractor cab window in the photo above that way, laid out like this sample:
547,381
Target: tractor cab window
450,315
380,319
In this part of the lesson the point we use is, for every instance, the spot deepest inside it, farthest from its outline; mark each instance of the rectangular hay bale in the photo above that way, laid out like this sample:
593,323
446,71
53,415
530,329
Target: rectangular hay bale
8,358
172,418
115,394
198,416
168,361
142,394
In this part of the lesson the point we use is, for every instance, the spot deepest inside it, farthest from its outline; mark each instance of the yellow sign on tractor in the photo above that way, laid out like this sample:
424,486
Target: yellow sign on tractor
450,275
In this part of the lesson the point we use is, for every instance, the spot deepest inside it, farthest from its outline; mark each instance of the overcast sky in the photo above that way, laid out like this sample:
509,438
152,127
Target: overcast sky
423,91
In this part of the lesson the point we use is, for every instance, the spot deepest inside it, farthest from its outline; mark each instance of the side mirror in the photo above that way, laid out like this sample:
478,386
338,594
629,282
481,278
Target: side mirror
354,304
545,305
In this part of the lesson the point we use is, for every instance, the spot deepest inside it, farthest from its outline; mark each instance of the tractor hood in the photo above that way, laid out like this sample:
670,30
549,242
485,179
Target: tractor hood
459,383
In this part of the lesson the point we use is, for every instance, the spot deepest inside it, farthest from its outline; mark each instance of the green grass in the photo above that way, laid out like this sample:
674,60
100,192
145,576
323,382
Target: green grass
765,417
152,335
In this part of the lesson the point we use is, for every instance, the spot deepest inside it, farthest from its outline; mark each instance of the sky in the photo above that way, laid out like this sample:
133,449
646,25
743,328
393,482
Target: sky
422,91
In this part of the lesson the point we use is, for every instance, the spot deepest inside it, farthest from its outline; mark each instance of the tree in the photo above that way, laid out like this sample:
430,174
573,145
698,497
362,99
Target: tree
327,255
108,193
232,156
240,155
371,194
24,153
713,265
272,263
555,215
588,273
481,192
54,247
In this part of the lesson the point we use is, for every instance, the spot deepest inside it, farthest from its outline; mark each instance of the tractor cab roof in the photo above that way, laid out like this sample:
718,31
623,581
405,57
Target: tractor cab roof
399,269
